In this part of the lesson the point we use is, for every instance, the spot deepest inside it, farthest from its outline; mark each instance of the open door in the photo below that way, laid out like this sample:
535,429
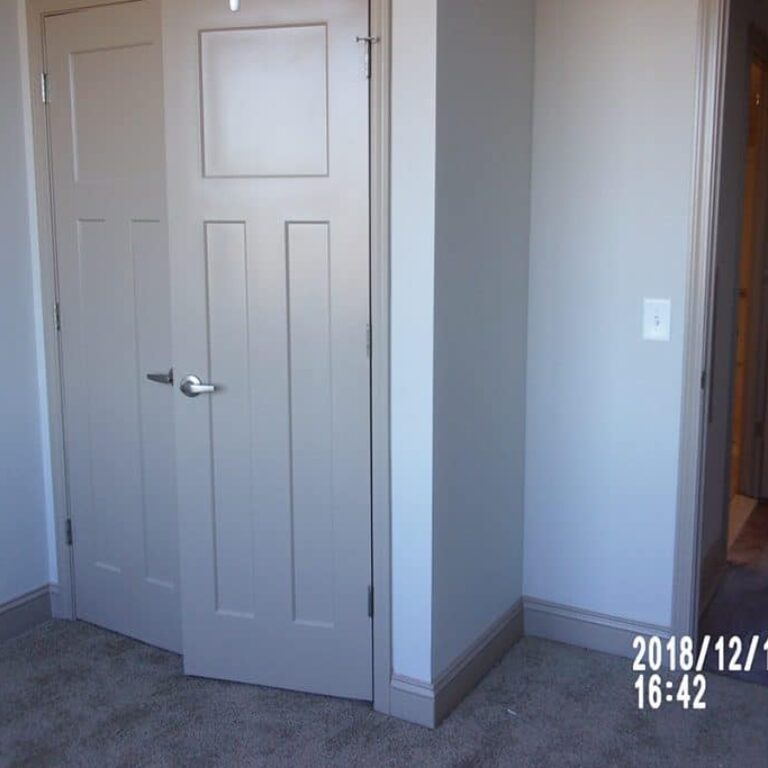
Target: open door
105,130
738,360
750,473
268,168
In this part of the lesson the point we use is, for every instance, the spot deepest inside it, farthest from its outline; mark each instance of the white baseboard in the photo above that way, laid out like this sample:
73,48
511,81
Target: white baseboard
412,700
62,606
585,629
429,703
25,612
471,667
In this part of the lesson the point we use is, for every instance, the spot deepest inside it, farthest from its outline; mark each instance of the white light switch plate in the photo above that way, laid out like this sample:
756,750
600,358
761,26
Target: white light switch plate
657,315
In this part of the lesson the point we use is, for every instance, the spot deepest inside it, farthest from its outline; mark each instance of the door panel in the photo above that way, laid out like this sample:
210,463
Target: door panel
231,436
106,135
286,66
267,126
311,392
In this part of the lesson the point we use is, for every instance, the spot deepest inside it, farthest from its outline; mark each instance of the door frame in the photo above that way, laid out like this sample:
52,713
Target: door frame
712,53
63,593
707,220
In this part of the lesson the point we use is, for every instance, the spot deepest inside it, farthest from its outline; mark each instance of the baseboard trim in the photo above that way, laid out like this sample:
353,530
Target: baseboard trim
461,677
429,704
61,604
585,629
25,612
412,700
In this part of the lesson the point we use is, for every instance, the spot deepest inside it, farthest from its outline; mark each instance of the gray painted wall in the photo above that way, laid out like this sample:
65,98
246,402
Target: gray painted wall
615,85
23,526
483,148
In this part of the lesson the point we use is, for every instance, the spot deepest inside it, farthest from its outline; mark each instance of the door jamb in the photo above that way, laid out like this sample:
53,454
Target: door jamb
711,66
381,28
63,594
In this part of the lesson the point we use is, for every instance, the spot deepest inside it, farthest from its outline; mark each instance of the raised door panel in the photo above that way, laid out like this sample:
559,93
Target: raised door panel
264,101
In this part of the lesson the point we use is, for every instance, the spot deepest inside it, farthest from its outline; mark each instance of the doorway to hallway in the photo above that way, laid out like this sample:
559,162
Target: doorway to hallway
736,603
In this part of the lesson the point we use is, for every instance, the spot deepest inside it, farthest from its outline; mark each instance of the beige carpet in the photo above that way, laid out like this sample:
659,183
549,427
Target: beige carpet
73,695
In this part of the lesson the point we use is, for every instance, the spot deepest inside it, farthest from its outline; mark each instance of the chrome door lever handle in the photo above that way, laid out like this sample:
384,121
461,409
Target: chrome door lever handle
161,378
192,387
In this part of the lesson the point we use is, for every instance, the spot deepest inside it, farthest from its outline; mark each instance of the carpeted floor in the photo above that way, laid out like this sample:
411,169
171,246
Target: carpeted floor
74,695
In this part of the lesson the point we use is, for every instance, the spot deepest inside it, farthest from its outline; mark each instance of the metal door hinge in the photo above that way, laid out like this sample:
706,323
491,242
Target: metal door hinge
370,602
44,87
57,315
368,41
703,379
368,340
68,530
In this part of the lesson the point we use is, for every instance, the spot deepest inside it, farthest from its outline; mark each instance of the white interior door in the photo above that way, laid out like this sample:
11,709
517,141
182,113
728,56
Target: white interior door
267,135
106,135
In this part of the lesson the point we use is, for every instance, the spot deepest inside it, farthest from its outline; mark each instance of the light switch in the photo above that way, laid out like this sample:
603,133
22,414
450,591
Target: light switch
657,315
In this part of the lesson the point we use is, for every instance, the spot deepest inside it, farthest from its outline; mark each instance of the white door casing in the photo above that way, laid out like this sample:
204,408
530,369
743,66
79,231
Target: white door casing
105,120
268,174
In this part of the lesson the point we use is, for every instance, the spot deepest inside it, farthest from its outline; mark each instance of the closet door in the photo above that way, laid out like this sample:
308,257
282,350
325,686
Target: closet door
267,132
